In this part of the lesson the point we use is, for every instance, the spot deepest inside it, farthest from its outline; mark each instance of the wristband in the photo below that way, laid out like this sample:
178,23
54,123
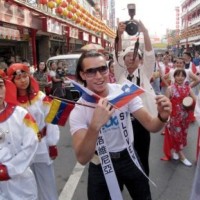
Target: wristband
161,119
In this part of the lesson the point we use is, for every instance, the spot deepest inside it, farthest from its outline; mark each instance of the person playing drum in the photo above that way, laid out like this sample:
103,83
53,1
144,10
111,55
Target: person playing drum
179,93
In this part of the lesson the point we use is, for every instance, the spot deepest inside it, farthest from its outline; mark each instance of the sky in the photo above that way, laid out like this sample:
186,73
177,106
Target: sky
157,15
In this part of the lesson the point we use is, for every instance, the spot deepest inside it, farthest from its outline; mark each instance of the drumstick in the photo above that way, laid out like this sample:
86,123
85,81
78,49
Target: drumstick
72,102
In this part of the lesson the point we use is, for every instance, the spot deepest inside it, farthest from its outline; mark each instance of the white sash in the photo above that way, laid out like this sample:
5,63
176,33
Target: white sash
122,119
108,169
105,159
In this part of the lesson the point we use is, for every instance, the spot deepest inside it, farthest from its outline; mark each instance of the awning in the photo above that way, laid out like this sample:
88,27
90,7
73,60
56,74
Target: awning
196,43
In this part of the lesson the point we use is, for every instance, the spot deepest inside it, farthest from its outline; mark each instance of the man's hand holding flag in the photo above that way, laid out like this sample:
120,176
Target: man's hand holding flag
60,110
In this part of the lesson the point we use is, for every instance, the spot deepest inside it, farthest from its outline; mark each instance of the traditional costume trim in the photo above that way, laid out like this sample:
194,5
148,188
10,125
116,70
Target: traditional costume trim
30,122
7,112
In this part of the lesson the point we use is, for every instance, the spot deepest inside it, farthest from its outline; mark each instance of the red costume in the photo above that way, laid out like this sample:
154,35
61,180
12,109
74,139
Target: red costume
180,117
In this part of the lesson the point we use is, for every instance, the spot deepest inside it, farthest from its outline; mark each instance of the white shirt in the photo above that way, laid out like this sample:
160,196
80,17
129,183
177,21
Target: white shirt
145,73
81,117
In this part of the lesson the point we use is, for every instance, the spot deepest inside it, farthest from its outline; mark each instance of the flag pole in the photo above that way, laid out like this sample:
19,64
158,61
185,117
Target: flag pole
72,102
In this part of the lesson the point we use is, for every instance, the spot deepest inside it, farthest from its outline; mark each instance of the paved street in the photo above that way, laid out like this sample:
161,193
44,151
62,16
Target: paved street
173,179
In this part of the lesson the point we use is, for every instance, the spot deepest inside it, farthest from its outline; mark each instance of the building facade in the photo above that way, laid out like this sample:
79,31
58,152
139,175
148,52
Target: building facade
188,36
37,29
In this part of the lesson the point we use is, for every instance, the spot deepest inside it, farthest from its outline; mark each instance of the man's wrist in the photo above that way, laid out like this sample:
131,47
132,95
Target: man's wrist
162,119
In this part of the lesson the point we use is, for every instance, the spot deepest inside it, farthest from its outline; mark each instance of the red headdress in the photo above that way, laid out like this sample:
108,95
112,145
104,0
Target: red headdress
19,67
11,93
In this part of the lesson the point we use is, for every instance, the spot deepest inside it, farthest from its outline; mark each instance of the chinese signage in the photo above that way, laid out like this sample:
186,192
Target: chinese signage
93,39
85,36
10,34
14,14
73,32
54,27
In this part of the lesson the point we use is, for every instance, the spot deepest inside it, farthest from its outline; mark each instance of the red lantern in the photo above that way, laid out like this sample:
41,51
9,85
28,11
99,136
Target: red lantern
73,9
69,15
59,10
63,4
43,2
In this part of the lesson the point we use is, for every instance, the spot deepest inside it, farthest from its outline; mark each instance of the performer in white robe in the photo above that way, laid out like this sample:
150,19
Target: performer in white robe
38,104
18,144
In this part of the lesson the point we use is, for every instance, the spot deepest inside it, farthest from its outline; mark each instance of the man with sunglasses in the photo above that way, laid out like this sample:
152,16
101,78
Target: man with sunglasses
138,68
102,135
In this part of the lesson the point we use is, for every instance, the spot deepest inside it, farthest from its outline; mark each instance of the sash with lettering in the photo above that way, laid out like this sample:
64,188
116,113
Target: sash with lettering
105,159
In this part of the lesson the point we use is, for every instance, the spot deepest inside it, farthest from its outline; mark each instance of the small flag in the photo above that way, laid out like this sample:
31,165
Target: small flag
59,112
119,98
87,94
126,93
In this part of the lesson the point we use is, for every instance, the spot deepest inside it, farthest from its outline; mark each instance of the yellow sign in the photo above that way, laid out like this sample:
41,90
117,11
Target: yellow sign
160,45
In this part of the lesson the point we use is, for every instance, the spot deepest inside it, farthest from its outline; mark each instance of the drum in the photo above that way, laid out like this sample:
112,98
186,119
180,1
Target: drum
188,103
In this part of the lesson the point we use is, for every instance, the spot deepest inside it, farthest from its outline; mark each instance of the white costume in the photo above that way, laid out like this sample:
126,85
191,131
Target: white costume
43,165
144,72
80,118
18,144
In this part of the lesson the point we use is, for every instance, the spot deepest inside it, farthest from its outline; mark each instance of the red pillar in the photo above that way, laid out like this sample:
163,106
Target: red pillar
33,41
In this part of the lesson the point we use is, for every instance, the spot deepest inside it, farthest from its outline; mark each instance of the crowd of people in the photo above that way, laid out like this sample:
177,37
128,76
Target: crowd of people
116,146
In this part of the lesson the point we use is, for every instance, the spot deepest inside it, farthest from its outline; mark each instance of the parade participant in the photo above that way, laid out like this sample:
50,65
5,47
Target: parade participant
41,75
18,144
100,131
139,71
155,80
180,117
38,104
190,79
195,194
111,71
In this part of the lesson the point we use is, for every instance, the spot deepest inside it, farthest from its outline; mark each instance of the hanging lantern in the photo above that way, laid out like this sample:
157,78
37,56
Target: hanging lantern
43,2
63,4
84,17
58,2
77,6
84,23
74,18
78,20
69,7
59,10
69,15
81,22
51,4
82,9
78,13
73,2
73,10
65,12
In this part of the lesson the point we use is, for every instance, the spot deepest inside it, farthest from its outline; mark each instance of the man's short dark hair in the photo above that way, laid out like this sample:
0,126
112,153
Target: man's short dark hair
79,68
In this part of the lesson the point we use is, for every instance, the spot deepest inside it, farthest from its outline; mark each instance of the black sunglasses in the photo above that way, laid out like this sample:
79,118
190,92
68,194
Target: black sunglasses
92,71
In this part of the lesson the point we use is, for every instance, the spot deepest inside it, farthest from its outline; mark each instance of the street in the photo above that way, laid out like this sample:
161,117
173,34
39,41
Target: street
173,179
